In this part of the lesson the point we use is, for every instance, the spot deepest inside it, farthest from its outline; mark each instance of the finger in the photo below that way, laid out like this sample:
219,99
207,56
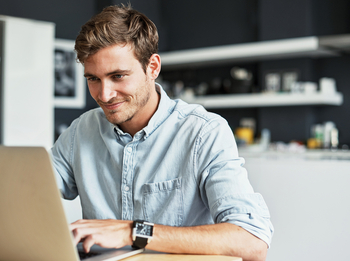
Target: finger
81,233
88,243
78,223
86,223
76,236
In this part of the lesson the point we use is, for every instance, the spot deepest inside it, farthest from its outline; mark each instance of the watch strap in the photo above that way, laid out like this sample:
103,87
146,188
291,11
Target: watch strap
140,242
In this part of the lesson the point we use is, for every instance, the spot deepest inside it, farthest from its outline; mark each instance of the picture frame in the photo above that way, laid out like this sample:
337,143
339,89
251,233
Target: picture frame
70,87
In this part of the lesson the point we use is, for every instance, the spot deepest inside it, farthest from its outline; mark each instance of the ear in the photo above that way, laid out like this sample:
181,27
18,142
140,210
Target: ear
154,66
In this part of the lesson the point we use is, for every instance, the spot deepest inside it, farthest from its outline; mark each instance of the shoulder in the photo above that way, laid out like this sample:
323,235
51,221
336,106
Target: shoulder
96,114
198,114
92,118
87,124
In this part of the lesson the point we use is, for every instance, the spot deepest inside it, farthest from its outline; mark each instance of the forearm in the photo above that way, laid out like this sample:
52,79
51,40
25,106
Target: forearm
218,239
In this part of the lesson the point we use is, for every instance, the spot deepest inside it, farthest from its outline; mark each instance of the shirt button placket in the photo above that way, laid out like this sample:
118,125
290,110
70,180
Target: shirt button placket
126,189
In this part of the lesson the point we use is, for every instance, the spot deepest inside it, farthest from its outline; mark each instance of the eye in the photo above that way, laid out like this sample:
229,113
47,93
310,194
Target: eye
118,76
92,79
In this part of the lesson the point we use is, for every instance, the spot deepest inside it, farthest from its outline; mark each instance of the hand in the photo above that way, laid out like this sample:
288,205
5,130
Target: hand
109,233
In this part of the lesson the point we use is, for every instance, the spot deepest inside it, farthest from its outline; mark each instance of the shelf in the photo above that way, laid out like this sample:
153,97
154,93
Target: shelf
311,46
265,100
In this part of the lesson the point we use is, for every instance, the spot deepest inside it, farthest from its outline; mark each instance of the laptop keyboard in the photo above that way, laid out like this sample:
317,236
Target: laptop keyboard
83,255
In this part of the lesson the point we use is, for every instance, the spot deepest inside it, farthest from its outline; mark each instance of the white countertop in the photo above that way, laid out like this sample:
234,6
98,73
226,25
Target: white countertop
315,154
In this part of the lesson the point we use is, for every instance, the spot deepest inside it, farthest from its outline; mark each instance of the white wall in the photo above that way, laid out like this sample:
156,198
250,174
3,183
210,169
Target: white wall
27,82
72,209
309,205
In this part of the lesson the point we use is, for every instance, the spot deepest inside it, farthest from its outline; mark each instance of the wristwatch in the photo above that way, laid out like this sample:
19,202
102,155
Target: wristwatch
142,233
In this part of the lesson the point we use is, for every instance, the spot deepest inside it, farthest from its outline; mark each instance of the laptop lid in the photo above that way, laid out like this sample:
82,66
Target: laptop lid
33,224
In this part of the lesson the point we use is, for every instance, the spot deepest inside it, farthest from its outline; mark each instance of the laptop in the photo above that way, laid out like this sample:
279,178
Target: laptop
33,224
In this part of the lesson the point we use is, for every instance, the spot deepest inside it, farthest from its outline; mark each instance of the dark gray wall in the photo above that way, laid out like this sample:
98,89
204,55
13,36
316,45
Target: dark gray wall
297,18
194,24
330,17
68,15
285,19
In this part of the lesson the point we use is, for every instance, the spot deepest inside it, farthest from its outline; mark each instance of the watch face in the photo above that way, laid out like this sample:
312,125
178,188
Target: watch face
143,229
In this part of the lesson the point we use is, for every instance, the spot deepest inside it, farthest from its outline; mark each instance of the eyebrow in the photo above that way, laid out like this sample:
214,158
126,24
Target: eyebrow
110,73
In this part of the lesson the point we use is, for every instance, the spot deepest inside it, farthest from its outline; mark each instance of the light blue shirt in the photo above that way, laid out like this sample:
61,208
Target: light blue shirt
182,169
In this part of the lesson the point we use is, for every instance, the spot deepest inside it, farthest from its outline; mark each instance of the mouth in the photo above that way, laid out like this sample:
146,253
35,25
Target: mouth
112,106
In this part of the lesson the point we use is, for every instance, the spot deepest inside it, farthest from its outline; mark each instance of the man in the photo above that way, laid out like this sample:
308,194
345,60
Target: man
143,156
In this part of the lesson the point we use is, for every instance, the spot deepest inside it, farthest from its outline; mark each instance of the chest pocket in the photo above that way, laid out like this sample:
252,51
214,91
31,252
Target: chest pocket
162,202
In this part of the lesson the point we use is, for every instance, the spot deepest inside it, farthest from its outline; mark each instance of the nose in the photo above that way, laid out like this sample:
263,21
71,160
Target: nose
107,91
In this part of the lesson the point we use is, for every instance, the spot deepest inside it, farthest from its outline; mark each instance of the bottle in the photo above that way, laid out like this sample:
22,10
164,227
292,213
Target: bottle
265,139
328,126
334,139
318,135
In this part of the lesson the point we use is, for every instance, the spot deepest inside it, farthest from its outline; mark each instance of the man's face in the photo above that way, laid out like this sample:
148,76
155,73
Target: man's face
118,83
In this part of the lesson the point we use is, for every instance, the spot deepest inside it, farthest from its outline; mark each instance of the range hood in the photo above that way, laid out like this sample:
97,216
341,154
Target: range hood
311,46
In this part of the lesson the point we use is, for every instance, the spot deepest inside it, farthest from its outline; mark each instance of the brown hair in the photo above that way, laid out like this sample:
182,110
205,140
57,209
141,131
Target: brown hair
118,25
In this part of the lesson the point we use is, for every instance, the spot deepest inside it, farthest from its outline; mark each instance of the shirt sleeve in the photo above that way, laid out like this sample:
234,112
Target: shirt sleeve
62,159
224,184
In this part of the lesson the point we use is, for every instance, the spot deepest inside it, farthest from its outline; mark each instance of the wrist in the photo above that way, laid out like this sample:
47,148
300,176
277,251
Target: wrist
129,229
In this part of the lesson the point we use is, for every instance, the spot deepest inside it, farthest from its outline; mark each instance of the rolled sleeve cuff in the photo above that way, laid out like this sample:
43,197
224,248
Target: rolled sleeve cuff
248,211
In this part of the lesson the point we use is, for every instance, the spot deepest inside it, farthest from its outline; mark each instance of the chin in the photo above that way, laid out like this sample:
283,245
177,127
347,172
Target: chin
117,121
114,121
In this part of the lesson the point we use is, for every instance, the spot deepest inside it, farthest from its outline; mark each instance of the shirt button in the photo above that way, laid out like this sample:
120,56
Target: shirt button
129,149
126,188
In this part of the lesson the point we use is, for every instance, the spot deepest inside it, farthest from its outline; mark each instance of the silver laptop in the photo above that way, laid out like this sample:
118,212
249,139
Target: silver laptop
33,225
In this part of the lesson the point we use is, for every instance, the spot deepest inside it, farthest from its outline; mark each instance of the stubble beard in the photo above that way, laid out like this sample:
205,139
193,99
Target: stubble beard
130,107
